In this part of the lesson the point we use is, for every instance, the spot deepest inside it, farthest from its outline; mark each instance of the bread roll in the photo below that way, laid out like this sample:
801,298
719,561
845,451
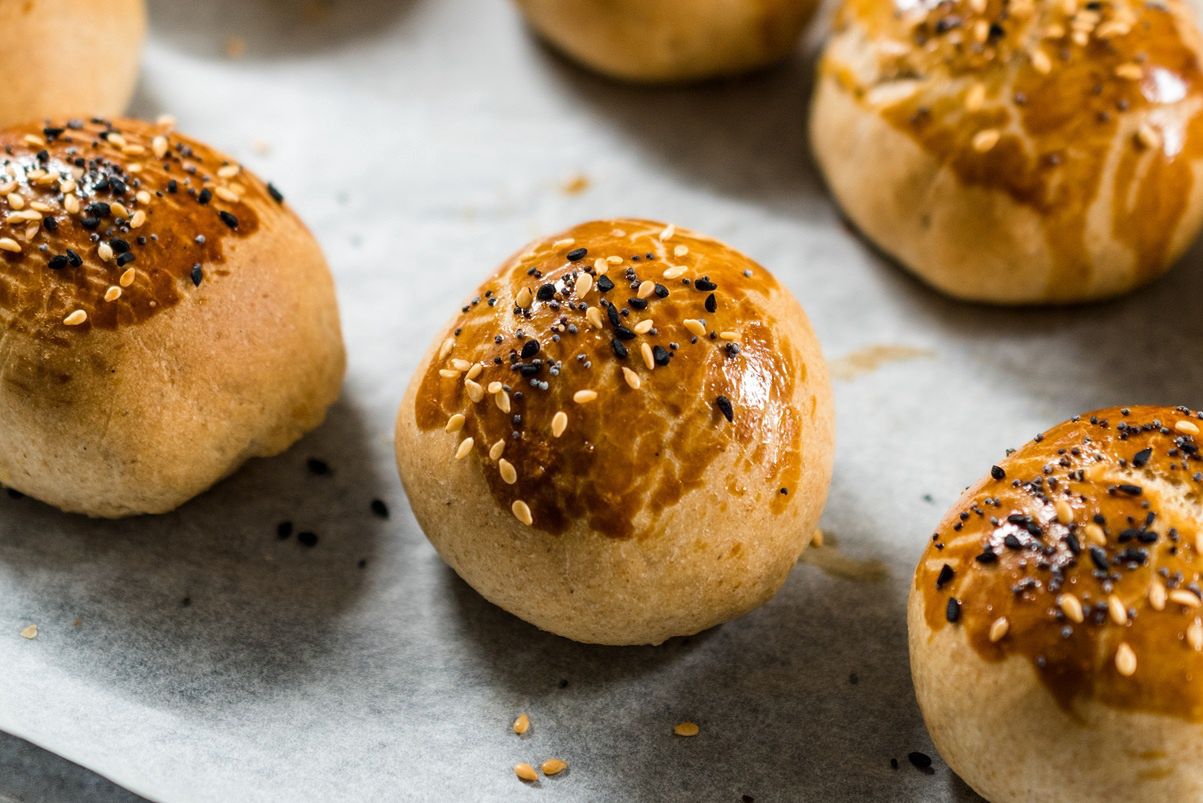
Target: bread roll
625,434
1018,153
69,57
164,317
670,41
1056,630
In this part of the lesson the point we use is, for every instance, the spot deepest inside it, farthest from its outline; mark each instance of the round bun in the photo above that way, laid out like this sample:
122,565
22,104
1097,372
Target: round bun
69,57
1056,631
644,432
1016,152
164,317
671,41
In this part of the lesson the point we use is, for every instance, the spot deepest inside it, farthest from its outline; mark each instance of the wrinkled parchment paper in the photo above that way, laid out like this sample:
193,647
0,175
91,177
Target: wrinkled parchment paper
425,140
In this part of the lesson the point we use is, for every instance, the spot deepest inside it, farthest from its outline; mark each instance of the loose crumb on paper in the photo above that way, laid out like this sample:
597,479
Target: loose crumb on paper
575,184
871,358
29,632
235,47
686,729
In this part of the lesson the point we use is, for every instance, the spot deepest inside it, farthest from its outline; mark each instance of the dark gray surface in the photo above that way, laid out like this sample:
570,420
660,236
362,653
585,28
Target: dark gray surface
29,774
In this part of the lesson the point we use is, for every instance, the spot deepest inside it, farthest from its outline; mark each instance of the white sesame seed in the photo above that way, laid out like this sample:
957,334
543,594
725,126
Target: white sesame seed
728,335
614,260
583,285
675,272
509,474
1094,534
1180,596
593,316
117,140
165,121
1115,607
71,204
455,423
999,628
76,318
631,378
447,373
10,245
465,448
986,139
1187,428
445,349
158,146
680,251
649,358
521,511
1157,595
227,195
1041,63
127,278
559,423
584,396
16,200
1065,512
646,289
1129,71
460,365
105,251
502,399
494,387
695,327
228,171
1071,607
975,97
524,298
112,294
1194,635
496,450
668,232
143,197
474,371
643,327
567,242
1125,660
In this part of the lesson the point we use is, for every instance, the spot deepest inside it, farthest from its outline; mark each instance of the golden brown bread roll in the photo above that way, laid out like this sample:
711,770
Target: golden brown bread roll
1026,152
668,41
1055,621
164,317
624,436
68,57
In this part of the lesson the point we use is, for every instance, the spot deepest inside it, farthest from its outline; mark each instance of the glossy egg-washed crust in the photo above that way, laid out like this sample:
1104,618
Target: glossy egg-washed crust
669,401
1055,105
1081,553
108,224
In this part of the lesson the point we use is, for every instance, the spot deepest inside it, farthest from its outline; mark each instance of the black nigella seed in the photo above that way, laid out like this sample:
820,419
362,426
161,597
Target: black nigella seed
1013,542
228,219
623,333
318,467
637,303
1141,458
953,611
125,259
119,246
577,254
604,284
661,291
660,355
711,303
51,224
546,292
946,575
57,262
307,539
724,406
284,530
529,349
1099,558
90,223
75,259
705,285
379,509
997,473
987,556
276,195
620,350
1129,489
921,761
198,274
205,196
612,314
98,209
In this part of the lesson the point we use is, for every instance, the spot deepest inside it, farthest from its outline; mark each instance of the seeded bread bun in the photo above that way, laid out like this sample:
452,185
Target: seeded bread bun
1020,152
624,436
670,41
1055,621
164,317
44,41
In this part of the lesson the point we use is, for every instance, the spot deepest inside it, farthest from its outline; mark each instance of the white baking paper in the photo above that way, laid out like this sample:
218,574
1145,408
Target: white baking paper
424,141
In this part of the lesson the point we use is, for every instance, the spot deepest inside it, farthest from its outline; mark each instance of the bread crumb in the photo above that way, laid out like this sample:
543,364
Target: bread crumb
575,184
235,47
30,632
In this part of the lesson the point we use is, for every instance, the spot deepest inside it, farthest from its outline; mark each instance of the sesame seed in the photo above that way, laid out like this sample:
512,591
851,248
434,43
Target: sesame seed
502,399
1065,513
227,195
509,474
521,724
1129,71
975,97
1117,611
686,729
631,378
643,327
460,365
446,348
521,511
497,450
1125,660
1180,596
76,318
646,289
29,632
559,423
138,220
465,448
228,171
1095,534
583,285
1187,428
1071,606
127,278
526,772
668,232
680,251
986,139
475,392
999,628
728,335
1157,595
584,396
112,294
675,272
158,146
593,316
553,766
16,201
1194,635
1147,137
455,423
614,260
10,245
648,358
105,252
695,327
474,371
524,298
565,243
494,387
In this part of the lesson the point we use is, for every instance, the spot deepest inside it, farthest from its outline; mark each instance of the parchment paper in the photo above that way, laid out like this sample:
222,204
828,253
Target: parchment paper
425,140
